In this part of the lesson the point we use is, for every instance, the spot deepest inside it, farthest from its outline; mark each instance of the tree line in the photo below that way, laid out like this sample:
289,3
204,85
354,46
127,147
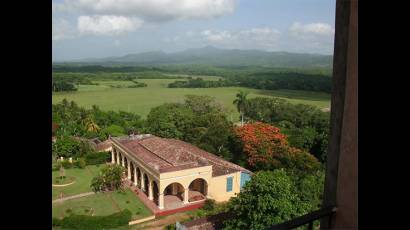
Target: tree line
266,81
199,83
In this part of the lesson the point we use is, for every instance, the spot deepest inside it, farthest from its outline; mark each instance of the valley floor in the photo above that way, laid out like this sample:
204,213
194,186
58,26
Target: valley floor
141,100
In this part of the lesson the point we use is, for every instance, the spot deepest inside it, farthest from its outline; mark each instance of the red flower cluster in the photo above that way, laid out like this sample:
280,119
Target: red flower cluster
262,142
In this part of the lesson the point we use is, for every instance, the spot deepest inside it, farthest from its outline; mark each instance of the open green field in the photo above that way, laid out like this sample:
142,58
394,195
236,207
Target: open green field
102,204
141,100
82,183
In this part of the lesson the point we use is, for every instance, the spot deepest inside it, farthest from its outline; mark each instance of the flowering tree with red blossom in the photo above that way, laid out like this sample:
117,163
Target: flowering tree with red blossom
267,148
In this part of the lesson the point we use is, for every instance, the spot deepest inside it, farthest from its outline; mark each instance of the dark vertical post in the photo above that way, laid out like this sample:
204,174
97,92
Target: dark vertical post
341,168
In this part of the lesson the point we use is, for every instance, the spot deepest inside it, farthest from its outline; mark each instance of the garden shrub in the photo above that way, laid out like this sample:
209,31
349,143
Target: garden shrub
66,164
96,222
96,158
209,205
80,163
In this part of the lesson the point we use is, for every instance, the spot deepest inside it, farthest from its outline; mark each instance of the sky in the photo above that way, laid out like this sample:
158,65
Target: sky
105,28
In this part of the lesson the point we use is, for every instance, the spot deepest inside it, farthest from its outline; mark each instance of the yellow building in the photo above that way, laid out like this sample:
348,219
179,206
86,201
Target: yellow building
174,173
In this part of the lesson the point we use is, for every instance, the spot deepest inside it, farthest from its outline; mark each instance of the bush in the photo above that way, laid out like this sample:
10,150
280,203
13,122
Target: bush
170,227
80,163
96,158
209,205
66,164
56,222
95,222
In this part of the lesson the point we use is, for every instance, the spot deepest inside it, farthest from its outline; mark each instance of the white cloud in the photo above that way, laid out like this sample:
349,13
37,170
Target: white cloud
299,29
259,37
311,37
107,24
215,36
61,29
152,10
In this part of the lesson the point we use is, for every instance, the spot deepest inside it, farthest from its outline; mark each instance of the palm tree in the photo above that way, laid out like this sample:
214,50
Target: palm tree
240,103
90,125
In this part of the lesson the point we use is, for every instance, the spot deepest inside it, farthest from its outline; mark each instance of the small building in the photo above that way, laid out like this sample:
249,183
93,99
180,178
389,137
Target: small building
174,173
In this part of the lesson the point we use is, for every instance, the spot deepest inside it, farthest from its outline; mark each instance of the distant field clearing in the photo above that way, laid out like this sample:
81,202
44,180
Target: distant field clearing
141,100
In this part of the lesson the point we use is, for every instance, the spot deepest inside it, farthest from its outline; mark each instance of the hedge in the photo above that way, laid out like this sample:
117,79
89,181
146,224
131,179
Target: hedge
94,222
97,158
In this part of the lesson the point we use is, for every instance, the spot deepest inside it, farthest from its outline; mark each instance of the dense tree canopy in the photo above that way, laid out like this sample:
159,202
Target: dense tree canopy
62,85
268,198
109,179
66,146
200,120
273,197
264,80
306,126
200,83
77,121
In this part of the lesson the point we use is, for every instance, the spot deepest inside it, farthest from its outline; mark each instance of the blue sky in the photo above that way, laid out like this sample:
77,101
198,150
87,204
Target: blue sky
101,28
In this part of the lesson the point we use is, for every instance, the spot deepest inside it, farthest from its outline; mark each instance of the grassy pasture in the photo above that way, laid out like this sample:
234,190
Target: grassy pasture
141,100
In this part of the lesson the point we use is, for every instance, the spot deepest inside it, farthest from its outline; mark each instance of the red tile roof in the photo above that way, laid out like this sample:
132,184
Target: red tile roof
167,155
102,146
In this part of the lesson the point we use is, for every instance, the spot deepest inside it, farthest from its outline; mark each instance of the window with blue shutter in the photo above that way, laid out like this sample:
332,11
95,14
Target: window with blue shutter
244,178
229,182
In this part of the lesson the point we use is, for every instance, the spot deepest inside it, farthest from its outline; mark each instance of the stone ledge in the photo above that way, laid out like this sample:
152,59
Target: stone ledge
141,220
63,185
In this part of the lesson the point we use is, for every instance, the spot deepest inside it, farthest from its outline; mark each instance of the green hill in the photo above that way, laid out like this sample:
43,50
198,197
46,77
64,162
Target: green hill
218,57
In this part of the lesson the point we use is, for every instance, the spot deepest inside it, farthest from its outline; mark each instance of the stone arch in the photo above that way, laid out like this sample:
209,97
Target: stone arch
174,189
199,185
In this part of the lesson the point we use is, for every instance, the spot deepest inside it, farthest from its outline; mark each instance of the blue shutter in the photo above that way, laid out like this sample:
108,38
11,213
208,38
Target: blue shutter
244,178
229,184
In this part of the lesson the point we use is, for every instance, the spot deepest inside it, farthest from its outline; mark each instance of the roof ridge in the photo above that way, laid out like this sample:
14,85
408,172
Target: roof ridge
155,153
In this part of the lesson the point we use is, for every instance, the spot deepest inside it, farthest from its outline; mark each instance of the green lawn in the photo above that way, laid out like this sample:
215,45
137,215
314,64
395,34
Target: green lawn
141,100
128,200
83,179
103,204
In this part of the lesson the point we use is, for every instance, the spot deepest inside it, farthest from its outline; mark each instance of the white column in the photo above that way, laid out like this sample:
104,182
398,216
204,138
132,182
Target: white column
112,157
118,158
161,201
129,169
142,182
186,195
123,161
150,195
135,177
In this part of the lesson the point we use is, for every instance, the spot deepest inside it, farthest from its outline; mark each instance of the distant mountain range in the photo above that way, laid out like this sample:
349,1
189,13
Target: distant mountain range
218,57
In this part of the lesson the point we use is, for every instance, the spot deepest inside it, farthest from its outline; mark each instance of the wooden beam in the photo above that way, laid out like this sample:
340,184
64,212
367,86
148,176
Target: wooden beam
342,150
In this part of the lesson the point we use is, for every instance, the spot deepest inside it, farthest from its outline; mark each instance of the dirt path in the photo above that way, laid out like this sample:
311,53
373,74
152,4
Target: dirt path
73,197
161,223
